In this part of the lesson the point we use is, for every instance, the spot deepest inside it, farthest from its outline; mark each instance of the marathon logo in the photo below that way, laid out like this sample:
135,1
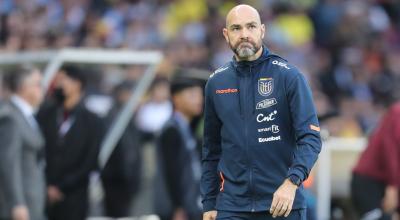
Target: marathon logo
266,103
226,91
269,139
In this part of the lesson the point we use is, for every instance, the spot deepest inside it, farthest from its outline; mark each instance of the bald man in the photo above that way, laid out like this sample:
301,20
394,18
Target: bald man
261,132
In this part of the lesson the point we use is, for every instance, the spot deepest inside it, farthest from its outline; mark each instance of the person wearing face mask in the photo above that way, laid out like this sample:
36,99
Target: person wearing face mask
22,182
261,132
73,135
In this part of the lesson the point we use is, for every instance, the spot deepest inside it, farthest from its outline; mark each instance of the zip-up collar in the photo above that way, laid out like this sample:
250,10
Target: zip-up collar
246,69
240,64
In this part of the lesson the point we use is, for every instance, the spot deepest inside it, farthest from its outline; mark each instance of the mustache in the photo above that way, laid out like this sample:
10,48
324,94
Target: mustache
245,41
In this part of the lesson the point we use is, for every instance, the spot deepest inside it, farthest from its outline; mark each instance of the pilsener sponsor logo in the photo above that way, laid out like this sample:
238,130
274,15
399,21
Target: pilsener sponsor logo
269,139
225,91
266,103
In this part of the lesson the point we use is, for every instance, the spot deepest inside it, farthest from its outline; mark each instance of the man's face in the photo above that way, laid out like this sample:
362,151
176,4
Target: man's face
244,33
68,84
189,101
31,89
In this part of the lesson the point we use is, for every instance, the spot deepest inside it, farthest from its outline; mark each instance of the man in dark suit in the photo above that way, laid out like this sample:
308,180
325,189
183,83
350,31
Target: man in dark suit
22,183
73,135
122,173
178,156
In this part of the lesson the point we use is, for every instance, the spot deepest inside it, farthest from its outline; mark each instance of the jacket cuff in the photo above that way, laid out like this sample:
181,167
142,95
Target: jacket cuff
209,205
297,173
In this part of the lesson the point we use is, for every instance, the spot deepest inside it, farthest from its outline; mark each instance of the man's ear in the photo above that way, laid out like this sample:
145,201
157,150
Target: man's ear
262,31
225,33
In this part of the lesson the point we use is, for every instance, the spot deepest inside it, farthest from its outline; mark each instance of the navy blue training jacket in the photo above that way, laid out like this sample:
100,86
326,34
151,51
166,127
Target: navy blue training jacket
260,128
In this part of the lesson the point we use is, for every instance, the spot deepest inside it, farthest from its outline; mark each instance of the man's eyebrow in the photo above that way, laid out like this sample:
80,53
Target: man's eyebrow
252,23
234,25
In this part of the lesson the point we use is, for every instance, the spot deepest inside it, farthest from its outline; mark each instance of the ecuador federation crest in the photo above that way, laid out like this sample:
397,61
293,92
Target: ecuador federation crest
265,86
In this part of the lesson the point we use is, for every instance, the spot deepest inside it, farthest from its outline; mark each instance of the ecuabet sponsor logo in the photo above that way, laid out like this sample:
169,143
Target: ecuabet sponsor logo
266,103
265,118
269,139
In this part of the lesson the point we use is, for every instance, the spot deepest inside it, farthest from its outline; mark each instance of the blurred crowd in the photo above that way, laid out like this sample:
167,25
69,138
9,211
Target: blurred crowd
349,50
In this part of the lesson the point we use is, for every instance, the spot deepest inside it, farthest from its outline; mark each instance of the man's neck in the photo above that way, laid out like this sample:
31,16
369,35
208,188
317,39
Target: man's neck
72,101
23,105
187,118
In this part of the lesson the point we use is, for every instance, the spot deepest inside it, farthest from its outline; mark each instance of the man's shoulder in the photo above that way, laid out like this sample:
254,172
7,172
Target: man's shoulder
221,71
7,113
6,109
284,67
169,131
395,108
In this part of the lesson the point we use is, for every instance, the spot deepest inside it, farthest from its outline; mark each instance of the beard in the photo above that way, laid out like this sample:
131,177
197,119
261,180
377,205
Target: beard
245,49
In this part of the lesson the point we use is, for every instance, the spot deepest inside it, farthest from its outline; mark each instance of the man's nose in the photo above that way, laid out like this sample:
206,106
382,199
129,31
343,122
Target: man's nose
244,34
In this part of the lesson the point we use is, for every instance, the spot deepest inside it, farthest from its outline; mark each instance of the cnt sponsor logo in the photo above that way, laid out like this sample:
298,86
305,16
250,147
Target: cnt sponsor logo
261,117
266,103
274,129
269,139
265,86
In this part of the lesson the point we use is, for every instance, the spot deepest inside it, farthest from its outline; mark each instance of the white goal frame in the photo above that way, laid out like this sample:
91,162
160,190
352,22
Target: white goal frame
55,59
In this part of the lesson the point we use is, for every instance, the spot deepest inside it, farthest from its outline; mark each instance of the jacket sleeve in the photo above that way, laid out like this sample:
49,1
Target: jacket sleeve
10,162
211,152
171,153
391,147
305,125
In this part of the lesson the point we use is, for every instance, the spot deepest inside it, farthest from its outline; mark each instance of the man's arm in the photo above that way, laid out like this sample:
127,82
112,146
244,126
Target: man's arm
171,158
308,144
10,162
211,152
391,150
306,127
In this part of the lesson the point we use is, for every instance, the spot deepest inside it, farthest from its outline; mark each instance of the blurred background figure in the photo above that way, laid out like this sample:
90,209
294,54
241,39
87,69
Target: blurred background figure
154,112
121,176
376,176
177,195
73,136
22,183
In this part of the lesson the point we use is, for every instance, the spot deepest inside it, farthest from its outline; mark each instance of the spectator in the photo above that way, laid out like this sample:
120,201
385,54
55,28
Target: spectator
376,178
72,135
155,112
22,182
178,156
121,175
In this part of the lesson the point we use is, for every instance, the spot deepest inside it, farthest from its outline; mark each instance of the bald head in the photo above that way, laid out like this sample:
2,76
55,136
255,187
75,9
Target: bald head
244,32
242,13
